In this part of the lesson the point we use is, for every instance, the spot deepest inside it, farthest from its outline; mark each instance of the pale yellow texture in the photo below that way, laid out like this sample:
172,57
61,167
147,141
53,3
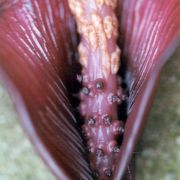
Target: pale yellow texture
96,31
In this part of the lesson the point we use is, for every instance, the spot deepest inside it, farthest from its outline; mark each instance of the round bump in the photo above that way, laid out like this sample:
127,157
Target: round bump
91,149
111,146
118,128
85,131
121,128
86,134
85,77
99,85
85,90
91,121
108,172
116,149
107,120
99,152
109,98
79,78
115,98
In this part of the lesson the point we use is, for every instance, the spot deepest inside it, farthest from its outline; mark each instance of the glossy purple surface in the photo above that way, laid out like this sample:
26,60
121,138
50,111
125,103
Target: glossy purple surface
38,59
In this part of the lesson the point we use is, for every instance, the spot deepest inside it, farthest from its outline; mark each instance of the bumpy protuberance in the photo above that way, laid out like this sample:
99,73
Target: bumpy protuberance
101,92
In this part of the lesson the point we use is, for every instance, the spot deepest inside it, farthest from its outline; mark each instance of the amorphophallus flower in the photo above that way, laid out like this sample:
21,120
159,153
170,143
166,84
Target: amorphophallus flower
39,64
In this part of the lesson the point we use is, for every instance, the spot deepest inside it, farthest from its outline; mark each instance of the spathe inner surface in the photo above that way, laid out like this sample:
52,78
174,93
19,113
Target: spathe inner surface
38,46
